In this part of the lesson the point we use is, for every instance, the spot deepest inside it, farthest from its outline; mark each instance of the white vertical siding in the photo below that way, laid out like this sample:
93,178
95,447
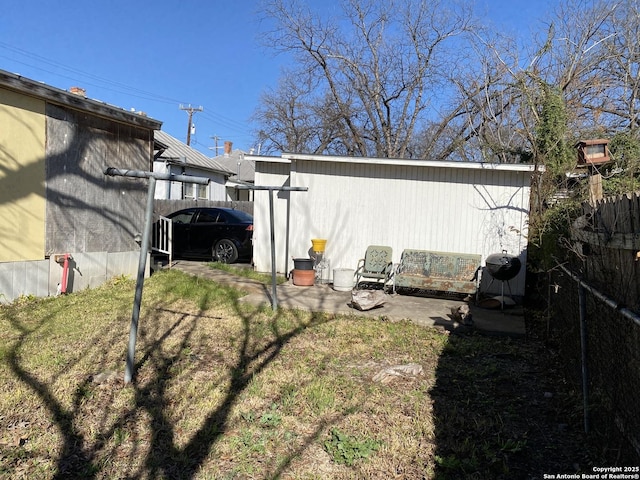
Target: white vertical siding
353,205
162,186
217,187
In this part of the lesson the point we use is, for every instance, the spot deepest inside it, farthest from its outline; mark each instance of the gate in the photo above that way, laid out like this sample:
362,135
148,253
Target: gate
162,237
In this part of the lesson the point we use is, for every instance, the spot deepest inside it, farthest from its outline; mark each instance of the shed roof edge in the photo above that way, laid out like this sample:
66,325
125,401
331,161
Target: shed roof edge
288,157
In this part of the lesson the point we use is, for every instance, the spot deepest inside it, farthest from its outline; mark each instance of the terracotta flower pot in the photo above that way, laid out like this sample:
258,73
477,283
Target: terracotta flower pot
304,278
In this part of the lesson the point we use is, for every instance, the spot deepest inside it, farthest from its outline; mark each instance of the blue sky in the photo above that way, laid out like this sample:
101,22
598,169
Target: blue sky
153,56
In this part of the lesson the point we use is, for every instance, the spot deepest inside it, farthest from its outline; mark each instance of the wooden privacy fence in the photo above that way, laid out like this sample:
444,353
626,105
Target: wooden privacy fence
608,238
165,207
596,328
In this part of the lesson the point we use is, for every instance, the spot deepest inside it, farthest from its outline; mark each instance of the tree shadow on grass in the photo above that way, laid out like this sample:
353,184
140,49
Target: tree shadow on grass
74,459
160,454
166,459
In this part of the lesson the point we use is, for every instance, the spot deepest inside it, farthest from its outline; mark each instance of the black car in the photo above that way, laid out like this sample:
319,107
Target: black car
221,234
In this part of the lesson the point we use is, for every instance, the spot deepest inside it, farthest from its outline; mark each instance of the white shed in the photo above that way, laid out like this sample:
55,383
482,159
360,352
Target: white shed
460,207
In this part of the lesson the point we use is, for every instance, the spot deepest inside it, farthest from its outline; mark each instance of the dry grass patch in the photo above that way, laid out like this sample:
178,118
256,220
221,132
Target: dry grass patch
224,390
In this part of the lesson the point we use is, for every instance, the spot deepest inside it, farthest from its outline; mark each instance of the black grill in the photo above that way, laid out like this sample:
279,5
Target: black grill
503,266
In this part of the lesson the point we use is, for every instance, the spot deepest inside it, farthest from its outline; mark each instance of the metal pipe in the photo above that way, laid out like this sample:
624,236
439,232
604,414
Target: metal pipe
582,303
286,239
117,172
274,301
144,248
611,303
142,265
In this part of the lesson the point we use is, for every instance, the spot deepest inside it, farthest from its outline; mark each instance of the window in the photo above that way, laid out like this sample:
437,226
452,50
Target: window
595,151
184,217
202,191
187,191
195,191
207,217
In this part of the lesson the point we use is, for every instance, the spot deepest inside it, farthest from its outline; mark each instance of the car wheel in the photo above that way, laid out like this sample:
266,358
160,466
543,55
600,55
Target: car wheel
225,251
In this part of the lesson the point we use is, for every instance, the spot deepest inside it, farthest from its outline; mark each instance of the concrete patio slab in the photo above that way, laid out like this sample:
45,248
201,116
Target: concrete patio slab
423,310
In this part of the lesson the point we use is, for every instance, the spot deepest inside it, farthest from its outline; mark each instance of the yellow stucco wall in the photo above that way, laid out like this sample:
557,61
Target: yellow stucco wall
22,177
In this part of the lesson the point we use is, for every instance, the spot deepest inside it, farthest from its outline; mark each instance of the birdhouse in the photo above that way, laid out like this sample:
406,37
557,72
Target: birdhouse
592,152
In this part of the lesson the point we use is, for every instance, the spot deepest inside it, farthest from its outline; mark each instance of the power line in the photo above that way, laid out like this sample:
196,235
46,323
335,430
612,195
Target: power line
77,75
227,122
116,86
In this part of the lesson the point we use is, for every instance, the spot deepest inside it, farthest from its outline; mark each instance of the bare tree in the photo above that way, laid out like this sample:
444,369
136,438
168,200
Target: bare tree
287,117
415,79
573,60
376,68
489,95
620,69
565,72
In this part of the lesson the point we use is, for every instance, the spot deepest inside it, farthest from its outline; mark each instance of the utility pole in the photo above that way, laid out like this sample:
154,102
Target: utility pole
215,149
190,110
215,138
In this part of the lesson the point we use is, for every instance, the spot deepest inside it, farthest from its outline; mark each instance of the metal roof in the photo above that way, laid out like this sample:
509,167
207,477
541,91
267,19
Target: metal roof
176,152
75,101
244,169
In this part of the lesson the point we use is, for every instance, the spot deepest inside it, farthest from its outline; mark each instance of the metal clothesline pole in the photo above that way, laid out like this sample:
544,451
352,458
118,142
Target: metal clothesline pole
144,249
274,294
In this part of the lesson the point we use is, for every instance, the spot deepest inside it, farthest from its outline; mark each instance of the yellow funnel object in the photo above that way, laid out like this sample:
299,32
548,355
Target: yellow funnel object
318,244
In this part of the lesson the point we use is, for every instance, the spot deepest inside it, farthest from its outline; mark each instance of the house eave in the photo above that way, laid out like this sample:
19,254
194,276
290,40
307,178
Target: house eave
61,97
179,162
415,163
266,158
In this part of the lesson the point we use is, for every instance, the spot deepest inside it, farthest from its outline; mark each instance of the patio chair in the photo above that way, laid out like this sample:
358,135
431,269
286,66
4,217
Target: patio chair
376,266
